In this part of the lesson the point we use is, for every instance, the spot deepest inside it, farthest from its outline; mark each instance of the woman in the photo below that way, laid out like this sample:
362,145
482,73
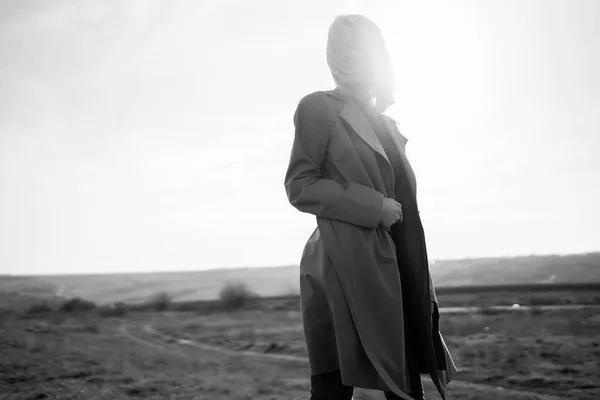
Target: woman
369,307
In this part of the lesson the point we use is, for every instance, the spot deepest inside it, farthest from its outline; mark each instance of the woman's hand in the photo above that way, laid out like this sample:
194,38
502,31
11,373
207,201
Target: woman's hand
391,212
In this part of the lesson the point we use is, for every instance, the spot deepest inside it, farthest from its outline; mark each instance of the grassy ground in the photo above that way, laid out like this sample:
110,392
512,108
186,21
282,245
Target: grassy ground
124,354
554,352
93,358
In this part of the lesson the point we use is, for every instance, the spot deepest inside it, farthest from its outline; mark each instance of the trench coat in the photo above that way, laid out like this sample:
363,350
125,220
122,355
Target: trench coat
362,287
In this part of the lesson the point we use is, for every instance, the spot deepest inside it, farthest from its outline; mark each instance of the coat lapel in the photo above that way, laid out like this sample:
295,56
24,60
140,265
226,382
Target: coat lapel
354,116
357,120
400,143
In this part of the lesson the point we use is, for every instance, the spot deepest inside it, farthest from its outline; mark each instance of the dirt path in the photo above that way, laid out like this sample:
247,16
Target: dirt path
166,342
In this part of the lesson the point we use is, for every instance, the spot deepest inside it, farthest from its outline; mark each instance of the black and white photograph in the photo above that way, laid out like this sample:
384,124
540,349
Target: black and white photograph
299,200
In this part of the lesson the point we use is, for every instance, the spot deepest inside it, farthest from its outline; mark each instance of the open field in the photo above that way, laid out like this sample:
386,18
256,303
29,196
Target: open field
257,352
90,358
277,281
142,355
556,353
169,342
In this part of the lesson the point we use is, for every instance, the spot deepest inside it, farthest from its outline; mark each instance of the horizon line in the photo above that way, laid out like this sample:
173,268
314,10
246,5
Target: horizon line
216,269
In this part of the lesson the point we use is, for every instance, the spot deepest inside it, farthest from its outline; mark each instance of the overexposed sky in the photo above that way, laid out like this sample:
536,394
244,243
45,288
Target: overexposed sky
142,135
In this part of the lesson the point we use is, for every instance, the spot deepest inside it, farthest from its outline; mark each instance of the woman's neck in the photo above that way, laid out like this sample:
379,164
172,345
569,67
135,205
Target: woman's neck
363,100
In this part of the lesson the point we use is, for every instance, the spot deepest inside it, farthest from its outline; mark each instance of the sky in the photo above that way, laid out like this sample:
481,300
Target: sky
145,135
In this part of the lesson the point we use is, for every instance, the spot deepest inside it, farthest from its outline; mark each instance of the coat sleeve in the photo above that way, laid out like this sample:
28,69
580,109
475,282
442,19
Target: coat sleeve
308,191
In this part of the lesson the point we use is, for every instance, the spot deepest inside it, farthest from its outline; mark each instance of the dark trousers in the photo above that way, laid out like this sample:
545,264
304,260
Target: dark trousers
329,386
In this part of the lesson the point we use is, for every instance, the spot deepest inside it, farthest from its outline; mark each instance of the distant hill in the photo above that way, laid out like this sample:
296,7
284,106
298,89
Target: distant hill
273,281
575,268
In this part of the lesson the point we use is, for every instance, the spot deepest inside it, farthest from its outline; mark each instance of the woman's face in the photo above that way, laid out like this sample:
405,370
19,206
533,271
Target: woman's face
358,58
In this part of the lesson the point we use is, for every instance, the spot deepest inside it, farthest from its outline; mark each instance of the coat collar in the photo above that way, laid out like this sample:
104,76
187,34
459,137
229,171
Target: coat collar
392,125
354,116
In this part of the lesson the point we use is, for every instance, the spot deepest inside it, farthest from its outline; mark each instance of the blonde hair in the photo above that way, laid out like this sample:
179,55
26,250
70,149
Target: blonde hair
359,60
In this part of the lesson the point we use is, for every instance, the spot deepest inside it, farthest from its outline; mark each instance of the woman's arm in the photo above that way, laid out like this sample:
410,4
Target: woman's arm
307,190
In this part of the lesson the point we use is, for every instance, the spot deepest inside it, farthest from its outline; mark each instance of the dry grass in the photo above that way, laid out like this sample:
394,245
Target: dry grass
555,352
89,359
83,354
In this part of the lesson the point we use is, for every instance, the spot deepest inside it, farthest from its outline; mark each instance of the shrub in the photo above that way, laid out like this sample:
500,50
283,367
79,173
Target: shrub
236,295
547,301
77,304
536,310
201,307
38,309
117,309
6,314
86,328
159,301
489,310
